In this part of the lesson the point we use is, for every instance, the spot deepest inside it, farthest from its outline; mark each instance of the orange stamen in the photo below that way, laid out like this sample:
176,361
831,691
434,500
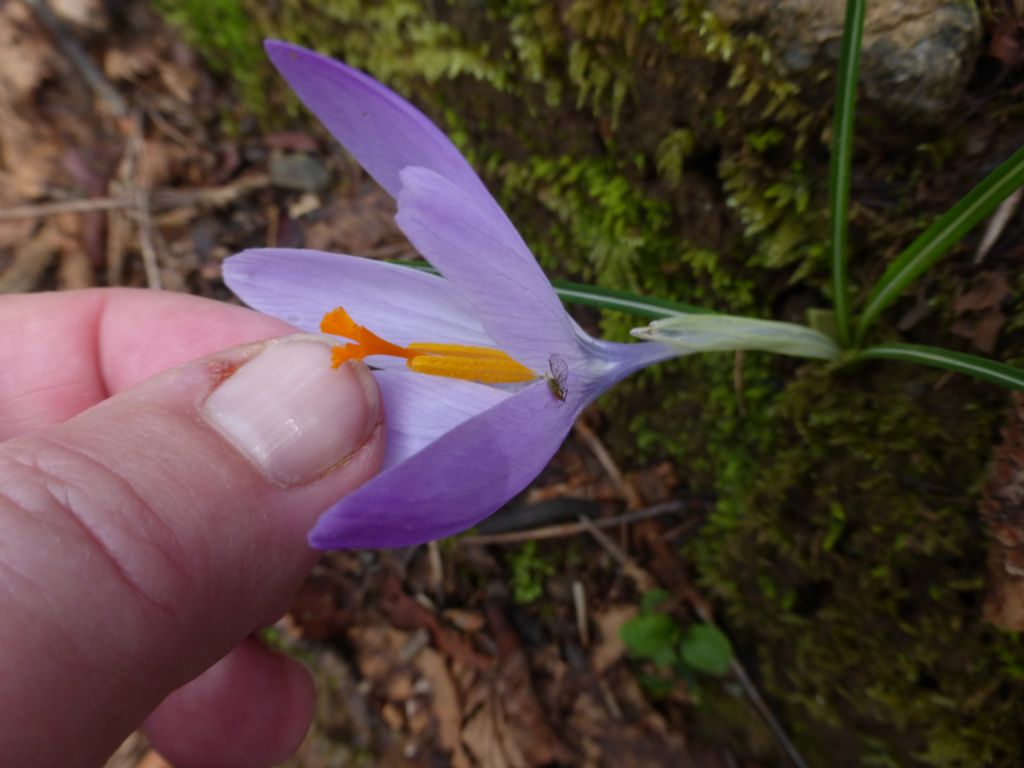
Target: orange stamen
338,323
486,370
483,364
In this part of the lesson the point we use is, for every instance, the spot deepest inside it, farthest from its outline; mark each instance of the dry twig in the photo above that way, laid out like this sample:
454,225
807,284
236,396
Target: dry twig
436,571
623,486
160,201
87,205
135,175
997,224
579,601
80,61
643,579
573,529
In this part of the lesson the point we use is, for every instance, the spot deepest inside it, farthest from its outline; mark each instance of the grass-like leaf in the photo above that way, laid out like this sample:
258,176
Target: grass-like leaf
842,153
623,301
972,365
935,241
602,298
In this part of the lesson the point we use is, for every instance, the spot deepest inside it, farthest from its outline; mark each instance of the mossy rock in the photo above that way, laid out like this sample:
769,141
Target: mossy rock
643,145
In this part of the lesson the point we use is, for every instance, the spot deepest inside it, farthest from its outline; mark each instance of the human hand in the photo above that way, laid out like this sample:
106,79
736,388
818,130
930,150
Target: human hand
138,544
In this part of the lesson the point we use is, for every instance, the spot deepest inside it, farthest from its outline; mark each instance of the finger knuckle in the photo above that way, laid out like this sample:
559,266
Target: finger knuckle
94,513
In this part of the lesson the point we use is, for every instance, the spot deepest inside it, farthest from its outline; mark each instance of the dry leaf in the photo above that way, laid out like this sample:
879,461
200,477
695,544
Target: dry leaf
361,225
377,650
446,707
405,612
1002,509
28,152
181,81
31,261
26,57
89,14
642,739
983,330
506,725
75,270
980,312
464,619
129,64
488,738
987,291
610,647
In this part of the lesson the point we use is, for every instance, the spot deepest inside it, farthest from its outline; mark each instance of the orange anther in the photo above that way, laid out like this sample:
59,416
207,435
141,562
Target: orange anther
483,364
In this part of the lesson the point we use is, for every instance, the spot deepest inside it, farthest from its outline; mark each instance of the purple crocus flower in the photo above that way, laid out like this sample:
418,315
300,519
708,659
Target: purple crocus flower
456,449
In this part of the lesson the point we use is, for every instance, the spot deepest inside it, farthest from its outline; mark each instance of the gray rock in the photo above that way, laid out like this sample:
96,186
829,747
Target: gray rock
916,58
298,171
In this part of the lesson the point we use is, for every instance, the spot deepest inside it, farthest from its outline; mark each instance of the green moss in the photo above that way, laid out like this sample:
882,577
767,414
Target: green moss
848,546
229,35
529,572
640,144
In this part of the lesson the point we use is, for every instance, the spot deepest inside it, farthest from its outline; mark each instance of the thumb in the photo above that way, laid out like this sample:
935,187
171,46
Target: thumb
143,539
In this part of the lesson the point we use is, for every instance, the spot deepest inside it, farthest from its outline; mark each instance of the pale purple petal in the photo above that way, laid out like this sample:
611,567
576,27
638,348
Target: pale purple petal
418,409
609,362
400,304
483,257
456,481
377,126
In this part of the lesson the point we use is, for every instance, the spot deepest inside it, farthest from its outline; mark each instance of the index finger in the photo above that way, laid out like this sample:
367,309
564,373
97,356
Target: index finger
64,352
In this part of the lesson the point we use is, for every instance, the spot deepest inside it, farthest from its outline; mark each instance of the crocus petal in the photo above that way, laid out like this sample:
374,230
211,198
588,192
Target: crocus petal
377,126
419,409
482,255
400,304
456,481
609,362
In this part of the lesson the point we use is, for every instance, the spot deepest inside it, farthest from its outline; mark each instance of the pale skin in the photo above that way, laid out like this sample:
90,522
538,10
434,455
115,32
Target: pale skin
137,548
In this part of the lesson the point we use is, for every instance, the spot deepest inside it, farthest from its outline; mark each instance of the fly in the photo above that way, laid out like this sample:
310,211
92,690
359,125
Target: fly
558,374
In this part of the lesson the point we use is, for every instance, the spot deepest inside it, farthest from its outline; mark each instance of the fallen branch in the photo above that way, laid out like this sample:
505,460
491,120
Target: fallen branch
573,529
623,486
160,201
41,210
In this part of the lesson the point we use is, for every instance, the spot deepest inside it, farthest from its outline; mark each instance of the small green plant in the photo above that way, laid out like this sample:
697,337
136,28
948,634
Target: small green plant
680,650
529,570
226,31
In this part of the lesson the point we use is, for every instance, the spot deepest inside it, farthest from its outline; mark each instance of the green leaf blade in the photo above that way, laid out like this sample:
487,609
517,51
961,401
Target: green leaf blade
706,648
652,636
841,162
971,365
942,235
623,301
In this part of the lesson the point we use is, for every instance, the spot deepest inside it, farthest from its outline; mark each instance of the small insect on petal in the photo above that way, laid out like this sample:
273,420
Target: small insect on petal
556,377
